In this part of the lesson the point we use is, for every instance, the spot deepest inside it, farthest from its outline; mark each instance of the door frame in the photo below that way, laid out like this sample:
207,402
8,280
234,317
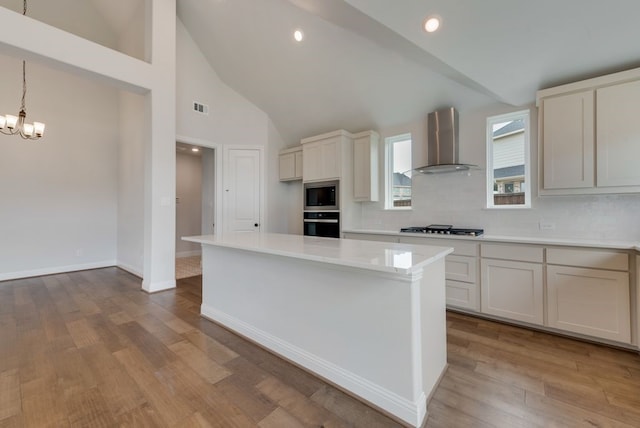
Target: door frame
218,148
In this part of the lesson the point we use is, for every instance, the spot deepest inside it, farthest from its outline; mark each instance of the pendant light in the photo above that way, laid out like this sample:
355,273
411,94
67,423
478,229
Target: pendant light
16,125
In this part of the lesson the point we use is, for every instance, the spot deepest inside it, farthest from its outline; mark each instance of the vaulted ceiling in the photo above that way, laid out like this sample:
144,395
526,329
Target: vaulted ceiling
368,64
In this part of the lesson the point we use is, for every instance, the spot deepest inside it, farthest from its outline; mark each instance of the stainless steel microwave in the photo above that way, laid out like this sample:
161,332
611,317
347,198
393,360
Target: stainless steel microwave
321,196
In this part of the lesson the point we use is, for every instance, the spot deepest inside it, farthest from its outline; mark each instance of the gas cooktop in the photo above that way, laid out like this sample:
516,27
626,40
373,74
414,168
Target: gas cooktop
442,229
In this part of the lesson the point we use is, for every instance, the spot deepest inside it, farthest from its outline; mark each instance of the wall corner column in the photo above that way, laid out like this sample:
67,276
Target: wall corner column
160,154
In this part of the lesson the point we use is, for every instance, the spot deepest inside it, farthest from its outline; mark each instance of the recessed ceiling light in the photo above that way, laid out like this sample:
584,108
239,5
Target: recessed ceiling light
195,149
298,35
432,23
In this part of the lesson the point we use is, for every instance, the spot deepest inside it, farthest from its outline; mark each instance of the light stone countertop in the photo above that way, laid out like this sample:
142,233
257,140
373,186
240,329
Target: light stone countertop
573,242
402,259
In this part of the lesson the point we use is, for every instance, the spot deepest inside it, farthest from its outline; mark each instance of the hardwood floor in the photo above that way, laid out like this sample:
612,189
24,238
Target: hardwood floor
90,349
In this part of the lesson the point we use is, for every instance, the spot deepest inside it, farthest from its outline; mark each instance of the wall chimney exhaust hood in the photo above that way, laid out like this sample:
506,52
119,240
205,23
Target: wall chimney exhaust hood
441,154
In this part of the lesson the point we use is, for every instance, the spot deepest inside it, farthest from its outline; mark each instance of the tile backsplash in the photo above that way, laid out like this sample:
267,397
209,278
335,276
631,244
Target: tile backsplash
460,199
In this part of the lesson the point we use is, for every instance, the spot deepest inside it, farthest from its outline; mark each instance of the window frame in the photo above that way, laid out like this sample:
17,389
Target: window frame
388,180
526,186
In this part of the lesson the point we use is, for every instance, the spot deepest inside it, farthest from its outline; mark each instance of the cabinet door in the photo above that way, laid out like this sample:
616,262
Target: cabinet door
298,165
287,166
365,168
330,159
618,135
312,162
512,290
568,141
321,160
462,295
589,301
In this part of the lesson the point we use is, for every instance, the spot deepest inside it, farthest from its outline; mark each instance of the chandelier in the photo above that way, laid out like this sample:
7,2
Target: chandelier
15,125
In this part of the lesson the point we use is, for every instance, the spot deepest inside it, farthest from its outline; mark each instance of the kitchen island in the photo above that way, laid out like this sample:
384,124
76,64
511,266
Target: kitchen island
367,316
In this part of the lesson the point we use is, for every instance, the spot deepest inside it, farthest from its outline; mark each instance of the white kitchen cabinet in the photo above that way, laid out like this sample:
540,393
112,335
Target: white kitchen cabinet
369,237
589,135
512,290
618,135
322,155
512,284
365,166
588,292
568,141
461,270
594,302
290,161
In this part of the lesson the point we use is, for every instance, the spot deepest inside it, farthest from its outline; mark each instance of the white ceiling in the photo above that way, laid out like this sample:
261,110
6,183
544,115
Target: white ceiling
368,64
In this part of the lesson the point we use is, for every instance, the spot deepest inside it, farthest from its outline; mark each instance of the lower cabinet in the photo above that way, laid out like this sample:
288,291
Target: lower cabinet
589,301
462,282
461,270
585,291
513,290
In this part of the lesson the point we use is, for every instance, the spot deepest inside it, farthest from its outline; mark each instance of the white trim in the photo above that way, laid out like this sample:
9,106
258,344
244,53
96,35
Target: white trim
55,270
412,412
131,269
158,286
388,170
526,187
218,220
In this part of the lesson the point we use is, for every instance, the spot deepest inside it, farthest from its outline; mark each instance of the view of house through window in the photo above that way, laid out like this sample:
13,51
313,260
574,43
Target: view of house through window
508,160
398,177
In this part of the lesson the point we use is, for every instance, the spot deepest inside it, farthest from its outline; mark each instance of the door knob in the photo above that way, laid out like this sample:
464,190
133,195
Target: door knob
256,224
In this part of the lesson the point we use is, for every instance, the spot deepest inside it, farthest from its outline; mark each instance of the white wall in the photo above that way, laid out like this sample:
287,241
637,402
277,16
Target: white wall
59,193
459,199
131,182
188,202
232,120
131,158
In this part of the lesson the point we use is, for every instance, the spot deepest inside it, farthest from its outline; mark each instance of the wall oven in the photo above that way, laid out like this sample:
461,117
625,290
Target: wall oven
321,196
322,223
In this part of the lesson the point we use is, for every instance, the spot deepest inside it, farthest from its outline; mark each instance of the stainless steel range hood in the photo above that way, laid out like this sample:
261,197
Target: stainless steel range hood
441,154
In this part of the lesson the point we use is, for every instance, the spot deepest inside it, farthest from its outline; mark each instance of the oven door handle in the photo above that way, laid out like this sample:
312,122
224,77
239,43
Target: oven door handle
333,221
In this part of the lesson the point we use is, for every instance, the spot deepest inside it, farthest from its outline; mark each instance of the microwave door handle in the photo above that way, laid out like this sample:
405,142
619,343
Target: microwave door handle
306,220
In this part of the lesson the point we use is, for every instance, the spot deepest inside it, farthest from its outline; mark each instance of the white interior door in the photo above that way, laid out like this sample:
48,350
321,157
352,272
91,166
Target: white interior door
242,190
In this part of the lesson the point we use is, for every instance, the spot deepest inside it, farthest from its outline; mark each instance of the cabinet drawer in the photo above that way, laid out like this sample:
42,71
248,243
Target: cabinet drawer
367,237
462,295
587,258
512,252
461,268
460,248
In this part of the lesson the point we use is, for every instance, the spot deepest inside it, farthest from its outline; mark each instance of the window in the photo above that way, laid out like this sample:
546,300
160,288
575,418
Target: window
508,178
398,172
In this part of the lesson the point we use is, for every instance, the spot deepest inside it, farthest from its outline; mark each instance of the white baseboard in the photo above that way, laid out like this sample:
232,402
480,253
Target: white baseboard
158,286
131,269
413,413
182,254
55,269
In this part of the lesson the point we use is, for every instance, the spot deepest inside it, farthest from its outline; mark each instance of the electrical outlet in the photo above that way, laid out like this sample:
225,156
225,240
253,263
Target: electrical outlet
547,225
79,252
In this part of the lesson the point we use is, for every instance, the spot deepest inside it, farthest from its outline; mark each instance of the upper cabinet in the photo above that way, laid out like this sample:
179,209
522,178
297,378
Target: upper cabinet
322,155
589,137
365,166
568,141
291,164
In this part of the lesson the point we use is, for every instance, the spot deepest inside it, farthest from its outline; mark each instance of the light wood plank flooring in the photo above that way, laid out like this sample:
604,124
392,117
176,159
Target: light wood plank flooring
90,349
